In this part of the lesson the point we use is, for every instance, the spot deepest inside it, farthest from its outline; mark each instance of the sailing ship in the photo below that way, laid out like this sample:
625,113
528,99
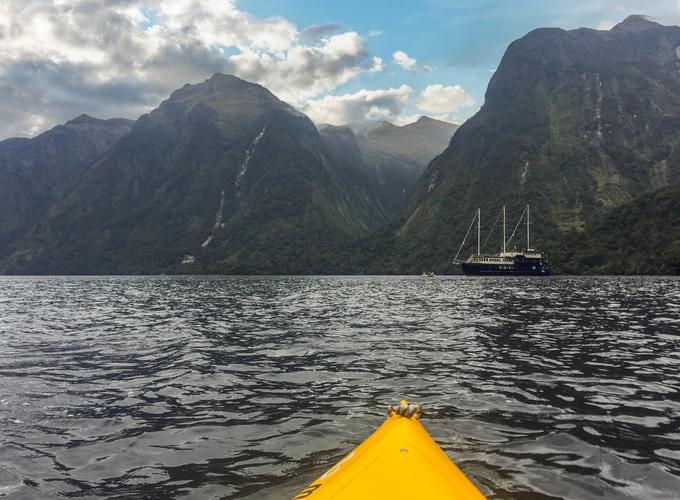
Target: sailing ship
526,262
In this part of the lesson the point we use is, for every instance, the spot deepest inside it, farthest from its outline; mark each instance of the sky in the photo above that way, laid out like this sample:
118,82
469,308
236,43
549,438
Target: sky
340,62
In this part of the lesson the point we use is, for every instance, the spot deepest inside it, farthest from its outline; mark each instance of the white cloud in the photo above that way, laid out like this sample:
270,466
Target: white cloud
396,104
219,22
606,25
61,58
377,65
316,31
406,119
402,59
121,58
384,104
438,99
409,63
303,72
446,117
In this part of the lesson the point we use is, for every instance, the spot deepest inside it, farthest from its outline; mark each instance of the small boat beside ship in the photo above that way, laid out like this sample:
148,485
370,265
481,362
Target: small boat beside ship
523,262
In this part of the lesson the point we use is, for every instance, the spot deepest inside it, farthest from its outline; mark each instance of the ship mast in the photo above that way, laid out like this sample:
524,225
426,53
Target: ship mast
479,230
472,223
503,228
528,228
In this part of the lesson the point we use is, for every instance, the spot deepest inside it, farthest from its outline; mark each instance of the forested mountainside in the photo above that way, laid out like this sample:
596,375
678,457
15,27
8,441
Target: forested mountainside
222,176
575,123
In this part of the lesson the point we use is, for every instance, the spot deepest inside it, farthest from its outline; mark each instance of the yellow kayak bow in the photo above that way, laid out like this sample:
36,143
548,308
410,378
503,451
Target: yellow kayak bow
399,460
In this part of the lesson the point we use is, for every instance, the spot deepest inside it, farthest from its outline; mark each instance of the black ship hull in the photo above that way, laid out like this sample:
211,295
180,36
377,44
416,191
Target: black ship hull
520,267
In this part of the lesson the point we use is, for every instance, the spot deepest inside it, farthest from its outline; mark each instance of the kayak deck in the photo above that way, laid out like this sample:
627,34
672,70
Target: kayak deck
399,460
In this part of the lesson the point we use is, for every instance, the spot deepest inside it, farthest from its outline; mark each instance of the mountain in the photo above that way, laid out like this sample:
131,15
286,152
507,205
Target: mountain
575,123
390,158
583,125
35,172
418,142
221,177
640,237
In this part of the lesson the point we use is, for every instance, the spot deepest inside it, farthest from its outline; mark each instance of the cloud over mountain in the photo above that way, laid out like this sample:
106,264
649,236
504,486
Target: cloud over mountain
439,99
384,104
122,57
61,58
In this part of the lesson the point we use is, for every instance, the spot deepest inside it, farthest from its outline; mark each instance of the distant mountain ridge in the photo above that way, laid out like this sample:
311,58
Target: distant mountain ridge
391,157
574,123
415,141
36,172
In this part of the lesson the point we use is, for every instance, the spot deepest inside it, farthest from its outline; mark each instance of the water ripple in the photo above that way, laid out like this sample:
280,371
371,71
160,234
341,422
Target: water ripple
218,387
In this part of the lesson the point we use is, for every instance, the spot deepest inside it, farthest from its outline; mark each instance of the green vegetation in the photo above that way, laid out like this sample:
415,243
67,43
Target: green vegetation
34,173
583,125
575,123
224,147
640,237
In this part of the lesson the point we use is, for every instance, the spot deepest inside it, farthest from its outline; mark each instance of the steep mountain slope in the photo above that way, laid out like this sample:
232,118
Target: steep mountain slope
574,123
35,172
345,153
641,237
222,173
390,158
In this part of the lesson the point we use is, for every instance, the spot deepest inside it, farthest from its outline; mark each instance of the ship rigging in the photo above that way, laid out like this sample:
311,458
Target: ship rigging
527,262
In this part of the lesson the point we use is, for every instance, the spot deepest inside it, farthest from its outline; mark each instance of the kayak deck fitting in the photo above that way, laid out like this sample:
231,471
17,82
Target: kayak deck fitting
399,460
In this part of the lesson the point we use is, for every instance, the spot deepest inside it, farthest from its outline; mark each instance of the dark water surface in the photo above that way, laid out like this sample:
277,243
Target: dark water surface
250,387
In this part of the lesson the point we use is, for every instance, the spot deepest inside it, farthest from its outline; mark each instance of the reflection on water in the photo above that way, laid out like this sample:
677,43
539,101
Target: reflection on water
249,387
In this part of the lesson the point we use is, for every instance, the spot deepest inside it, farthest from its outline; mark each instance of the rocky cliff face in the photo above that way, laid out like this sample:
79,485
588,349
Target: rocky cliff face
36,172
575,123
